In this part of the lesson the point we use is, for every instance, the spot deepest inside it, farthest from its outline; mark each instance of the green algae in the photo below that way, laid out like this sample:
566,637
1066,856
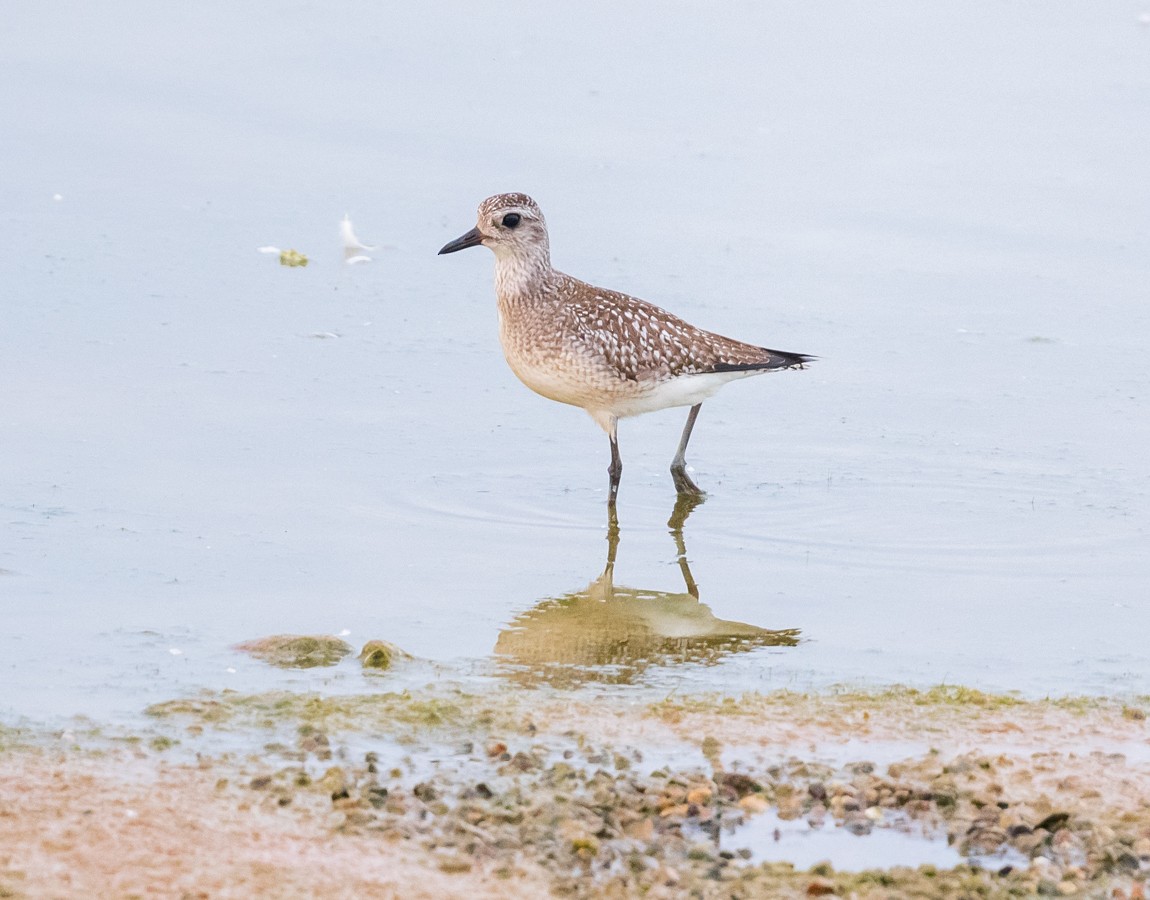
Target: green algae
12,738
454,708
939,697
297,651
292,258
363,712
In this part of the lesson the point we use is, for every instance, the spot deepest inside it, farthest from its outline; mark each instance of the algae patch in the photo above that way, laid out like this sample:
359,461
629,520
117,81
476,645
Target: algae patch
390,713
939,699
297,651
12,738
292,258
381,655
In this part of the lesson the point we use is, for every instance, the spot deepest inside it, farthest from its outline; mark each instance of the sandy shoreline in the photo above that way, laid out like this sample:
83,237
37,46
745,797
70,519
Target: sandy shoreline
539,793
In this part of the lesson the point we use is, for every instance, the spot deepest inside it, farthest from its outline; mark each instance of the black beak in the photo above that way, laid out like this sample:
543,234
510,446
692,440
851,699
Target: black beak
472,239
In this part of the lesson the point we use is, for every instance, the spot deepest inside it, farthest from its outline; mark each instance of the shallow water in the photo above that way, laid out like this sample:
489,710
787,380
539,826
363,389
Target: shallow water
947,204
771,839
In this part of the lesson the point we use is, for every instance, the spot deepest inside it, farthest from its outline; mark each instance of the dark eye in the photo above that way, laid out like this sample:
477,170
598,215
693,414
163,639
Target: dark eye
511,220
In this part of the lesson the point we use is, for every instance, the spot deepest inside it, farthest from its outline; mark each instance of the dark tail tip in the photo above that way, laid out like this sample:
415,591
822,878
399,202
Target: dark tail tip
790,360
779,359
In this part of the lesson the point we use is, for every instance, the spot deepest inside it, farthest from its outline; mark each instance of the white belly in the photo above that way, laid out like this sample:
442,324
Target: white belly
685,390
610,399
566,373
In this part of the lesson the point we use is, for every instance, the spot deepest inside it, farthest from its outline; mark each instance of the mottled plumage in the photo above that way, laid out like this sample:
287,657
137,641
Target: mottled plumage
610,353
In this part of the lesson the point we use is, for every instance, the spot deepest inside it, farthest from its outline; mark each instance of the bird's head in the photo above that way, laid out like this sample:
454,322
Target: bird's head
511,225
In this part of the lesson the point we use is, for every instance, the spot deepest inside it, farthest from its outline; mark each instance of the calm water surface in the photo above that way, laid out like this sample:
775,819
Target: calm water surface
948,204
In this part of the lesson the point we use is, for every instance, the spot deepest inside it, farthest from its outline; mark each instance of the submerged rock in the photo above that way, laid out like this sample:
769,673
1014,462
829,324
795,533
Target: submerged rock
297,651
381,655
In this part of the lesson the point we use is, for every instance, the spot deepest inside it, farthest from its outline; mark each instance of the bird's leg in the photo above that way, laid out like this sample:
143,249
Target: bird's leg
606,582
612,536
683,482
685,504
615,470
683,507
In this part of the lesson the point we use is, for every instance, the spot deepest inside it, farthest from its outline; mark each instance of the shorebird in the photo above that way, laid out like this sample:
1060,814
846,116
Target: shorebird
611,354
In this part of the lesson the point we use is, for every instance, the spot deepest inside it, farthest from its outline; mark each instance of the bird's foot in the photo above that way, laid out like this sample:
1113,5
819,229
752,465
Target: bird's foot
684,485
685,504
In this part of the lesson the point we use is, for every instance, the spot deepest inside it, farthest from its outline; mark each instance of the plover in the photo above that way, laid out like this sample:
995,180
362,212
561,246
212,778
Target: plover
611,354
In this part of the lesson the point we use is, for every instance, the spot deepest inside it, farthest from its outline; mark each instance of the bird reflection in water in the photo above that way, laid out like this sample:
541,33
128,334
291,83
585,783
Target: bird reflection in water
610,633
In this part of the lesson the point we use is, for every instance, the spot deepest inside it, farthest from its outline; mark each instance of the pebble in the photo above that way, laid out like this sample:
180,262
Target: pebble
738,784
669,876
643,830
454,865
334,780
618,823
701,851
753,803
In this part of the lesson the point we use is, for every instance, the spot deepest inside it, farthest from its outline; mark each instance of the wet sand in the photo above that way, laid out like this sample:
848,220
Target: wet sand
481,794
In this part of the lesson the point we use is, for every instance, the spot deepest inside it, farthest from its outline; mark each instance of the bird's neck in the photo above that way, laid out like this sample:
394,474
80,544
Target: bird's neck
522,275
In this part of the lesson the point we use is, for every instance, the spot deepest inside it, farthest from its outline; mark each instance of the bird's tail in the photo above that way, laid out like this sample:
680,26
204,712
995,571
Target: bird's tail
773,359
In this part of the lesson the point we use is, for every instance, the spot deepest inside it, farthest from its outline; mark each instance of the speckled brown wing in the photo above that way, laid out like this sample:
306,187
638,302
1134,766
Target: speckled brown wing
642,342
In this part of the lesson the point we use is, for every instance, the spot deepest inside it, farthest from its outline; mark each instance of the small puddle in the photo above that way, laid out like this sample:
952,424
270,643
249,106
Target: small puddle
897,841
